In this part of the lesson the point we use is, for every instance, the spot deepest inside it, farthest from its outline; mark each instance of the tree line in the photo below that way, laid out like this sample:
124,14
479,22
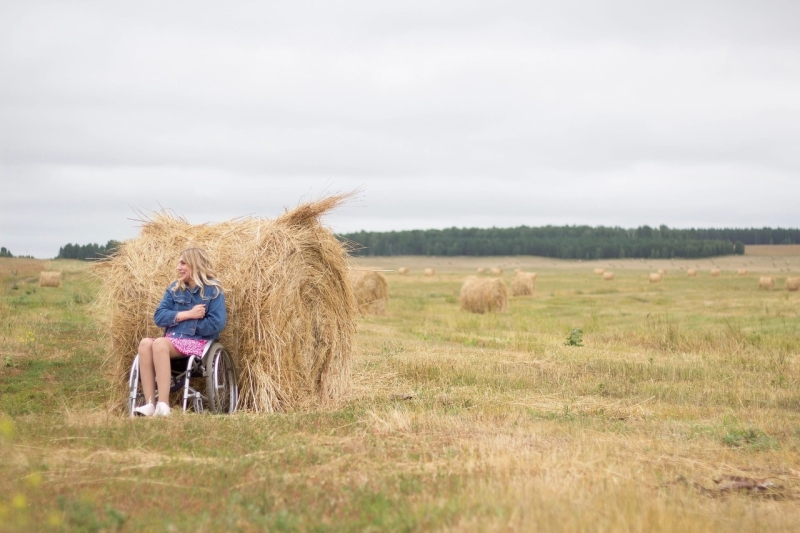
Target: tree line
564,242
87,251
568,242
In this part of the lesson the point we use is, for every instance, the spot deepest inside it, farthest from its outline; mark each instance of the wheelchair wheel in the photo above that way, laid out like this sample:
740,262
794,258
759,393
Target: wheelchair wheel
222,390
135,393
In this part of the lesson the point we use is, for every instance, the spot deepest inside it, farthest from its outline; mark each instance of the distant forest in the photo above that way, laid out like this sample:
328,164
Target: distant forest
568,242
565,242
87,251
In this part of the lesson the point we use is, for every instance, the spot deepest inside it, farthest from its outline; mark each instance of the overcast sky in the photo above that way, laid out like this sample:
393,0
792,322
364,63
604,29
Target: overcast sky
497,113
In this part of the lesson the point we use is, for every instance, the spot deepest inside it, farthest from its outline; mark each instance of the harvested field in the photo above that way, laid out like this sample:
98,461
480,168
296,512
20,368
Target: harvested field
771,250
629,406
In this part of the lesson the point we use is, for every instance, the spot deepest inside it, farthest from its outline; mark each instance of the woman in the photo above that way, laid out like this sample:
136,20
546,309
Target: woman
193,313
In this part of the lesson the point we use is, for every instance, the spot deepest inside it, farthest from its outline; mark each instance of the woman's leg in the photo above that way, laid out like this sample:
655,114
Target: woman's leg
163,351
147,370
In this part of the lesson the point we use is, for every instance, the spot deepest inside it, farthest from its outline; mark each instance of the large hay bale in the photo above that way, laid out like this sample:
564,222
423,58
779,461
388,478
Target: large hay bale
481,270
291,309
608,276
793,284
742,272
766,282
523,284
403,271
655,277
50,279
715,272
429,272
496,271
599,270
481,295
692,272
371,291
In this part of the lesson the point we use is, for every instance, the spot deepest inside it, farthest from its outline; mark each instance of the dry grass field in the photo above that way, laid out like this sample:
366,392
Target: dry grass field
772,250
593,406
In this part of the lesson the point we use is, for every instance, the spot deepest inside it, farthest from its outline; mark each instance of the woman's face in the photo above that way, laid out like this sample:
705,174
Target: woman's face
184,271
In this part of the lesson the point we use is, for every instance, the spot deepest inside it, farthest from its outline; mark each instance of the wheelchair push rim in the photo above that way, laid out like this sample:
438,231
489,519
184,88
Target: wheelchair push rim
222,390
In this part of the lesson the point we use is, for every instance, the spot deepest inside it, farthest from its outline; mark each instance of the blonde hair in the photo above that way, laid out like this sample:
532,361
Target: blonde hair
202,273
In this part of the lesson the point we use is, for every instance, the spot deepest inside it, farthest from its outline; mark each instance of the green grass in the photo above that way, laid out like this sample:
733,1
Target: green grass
454,421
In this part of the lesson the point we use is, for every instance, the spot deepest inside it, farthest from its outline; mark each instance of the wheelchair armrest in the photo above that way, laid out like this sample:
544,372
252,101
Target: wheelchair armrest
209,344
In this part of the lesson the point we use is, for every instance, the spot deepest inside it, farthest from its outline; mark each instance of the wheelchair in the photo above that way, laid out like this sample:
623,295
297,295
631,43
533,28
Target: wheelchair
213,372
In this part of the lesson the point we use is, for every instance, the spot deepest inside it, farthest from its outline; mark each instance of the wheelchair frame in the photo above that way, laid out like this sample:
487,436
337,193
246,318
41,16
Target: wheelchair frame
215,365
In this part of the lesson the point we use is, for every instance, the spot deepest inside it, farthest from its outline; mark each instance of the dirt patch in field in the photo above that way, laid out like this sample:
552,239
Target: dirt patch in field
772,249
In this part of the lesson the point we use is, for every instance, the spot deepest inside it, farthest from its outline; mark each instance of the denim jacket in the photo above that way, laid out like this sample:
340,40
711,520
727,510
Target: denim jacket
206,328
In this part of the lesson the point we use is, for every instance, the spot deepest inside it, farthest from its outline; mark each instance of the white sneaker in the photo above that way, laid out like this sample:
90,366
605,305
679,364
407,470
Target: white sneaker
162,409
145,410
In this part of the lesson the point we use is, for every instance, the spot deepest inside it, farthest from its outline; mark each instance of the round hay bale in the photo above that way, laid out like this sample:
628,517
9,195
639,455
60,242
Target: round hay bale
608,276
523,284
742,272
291,309
766,283
403,271
481,270
655,277
429,272
692,272
496,271
371,290
662,272
50,279
599,270
715,272
481,295
793,284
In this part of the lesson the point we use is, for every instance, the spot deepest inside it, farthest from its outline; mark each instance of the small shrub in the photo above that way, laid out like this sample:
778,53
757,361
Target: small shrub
750,437
575,338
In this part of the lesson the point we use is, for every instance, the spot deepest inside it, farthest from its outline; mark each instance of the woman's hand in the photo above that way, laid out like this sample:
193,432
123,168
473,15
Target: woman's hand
195,313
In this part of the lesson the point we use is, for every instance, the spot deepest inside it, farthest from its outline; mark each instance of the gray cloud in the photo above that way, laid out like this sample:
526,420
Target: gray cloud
445,113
